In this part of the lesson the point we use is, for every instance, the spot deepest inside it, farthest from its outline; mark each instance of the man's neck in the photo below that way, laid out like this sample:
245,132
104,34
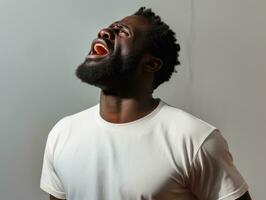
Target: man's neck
116,109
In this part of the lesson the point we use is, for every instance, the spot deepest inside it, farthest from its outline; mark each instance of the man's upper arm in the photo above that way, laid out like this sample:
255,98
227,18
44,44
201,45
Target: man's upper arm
54,198
245,196
50,182
213,174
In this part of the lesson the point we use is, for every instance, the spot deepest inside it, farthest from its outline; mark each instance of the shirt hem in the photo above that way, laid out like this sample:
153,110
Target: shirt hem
236,194
45,187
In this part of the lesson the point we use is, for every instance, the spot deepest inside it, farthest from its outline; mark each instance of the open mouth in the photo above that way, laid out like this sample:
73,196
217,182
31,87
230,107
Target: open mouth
99,49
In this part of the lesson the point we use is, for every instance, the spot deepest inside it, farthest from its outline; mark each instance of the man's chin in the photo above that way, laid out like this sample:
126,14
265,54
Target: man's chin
109,84
100,73
108,74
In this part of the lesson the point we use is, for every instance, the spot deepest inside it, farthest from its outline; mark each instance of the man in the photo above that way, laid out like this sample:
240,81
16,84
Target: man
132,146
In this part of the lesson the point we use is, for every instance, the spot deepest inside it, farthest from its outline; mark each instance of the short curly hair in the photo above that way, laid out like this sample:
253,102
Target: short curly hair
162,44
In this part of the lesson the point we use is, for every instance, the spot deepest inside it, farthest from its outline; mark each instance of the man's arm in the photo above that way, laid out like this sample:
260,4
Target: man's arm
213,174
54,198
245,196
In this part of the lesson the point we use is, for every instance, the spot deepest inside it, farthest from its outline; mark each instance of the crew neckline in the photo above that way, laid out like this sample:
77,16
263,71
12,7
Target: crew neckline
133,123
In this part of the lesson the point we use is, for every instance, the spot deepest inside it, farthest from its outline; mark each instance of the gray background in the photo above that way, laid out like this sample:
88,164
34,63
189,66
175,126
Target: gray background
221,79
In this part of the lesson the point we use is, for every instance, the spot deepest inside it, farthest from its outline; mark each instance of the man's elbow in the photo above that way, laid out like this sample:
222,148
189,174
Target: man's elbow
245,196
51,197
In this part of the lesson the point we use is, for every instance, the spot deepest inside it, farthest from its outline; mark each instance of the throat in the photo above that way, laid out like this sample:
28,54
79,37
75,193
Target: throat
126,111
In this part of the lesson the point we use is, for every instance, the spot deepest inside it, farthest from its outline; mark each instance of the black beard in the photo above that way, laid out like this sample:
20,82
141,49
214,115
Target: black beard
113,75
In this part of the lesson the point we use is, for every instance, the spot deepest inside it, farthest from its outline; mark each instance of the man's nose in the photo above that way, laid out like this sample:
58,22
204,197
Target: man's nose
106,33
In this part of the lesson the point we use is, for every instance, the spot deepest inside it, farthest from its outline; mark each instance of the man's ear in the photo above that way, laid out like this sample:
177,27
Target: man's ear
152,63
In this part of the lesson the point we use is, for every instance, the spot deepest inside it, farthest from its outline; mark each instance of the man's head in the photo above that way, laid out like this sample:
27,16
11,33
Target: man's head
138,52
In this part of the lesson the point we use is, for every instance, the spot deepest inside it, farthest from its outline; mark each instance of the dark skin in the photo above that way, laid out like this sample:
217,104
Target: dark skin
122,105
138,100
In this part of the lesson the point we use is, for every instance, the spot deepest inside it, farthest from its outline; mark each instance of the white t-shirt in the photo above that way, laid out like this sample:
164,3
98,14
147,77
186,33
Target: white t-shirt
168,154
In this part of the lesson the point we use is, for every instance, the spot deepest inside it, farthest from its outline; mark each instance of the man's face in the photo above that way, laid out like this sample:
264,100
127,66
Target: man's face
115,55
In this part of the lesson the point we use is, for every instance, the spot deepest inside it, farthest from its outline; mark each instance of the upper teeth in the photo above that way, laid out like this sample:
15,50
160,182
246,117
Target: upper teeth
99,44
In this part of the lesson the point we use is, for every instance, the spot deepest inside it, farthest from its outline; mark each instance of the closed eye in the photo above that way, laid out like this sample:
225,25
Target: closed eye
123,32
120,29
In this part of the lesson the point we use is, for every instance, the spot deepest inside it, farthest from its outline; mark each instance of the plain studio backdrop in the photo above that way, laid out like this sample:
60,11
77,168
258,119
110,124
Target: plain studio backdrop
221,79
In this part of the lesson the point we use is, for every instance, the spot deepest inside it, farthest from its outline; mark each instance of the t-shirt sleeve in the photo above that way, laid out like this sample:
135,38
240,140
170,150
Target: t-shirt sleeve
50,182
213,175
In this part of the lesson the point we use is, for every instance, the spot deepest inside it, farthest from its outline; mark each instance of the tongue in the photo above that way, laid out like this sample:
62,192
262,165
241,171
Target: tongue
100,50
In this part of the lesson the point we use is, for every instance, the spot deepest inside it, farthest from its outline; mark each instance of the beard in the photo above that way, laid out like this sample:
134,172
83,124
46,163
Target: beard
113,74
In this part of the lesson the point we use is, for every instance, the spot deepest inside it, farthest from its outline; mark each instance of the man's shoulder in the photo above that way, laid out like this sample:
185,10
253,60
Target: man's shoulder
186,126
186,120
83,114
62,127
